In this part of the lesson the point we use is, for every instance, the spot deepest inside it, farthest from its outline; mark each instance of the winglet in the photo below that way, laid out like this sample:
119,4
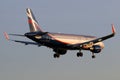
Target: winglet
6,36
113,29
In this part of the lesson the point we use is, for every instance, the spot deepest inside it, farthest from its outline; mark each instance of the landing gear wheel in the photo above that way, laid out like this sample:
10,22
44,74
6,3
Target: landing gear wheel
79,54
56,55
93,56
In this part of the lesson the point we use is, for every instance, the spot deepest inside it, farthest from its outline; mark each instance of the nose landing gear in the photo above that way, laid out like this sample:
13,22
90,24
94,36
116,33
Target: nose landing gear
93,56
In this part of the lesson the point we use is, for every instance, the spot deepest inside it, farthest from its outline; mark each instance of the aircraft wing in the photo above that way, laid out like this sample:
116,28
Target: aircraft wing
27,42
92,42
23,42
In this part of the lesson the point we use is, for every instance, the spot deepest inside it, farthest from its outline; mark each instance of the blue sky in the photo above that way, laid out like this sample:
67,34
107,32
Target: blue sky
20,62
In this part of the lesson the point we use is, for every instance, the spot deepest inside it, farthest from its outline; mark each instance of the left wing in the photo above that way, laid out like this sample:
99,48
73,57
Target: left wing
27,42
92,42
24,42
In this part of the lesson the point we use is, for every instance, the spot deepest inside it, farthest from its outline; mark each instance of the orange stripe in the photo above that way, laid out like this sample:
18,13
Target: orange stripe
29,21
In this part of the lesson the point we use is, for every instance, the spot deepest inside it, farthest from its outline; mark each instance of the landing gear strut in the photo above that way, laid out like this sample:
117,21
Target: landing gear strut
93,55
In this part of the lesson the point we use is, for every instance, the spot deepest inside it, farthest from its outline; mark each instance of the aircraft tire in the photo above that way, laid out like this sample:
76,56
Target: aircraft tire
56,55
93,56
79,54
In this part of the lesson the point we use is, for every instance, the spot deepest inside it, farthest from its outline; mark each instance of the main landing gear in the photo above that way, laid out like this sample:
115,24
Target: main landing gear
80,54
56,55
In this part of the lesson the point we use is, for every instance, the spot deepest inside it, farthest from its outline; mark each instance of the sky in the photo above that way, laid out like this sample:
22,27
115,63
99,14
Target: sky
93,17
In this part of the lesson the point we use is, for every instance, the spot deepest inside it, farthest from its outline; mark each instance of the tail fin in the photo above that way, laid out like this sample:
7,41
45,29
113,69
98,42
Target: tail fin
33,24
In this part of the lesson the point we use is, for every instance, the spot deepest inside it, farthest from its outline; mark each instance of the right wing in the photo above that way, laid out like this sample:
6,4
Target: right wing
92,42
23,42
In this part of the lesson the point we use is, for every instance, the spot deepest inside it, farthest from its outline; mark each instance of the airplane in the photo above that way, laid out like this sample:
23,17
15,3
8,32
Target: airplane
60,42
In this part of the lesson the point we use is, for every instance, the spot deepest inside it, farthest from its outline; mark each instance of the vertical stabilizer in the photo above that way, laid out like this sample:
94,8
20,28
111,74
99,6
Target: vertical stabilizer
33,24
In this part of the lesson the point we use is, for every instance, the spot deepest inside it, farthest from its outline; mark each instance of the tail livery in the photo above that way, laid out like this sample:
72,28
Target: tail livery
113,29
33,24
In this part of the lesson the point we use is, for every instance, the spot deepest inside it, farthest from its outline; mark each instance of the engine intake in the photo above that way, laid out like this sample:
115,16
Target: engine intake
96,49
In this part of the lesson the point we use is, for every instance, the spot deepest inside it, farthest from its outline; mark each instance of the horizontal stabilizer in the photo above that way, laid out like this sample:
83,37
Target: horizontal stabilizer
24,42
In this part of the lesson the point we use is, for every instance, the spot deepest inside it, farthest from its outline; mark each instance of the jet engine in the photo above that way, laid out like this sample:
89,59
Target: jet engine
59,52
96,49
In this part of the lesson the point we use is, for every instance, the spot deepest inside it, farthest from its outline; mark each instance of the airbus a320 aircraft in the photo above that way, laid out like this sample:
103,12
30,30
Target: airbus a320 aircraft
61,42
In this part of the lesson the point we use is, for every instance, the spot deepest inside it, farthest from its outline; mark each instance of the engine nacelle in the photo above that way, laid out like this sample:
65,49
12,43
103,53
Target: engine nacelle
60,51
96,49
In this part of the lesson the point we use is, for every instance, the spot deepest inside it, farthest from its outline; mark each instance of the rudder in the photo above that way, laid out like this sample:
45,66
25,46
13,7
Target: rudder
33,24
